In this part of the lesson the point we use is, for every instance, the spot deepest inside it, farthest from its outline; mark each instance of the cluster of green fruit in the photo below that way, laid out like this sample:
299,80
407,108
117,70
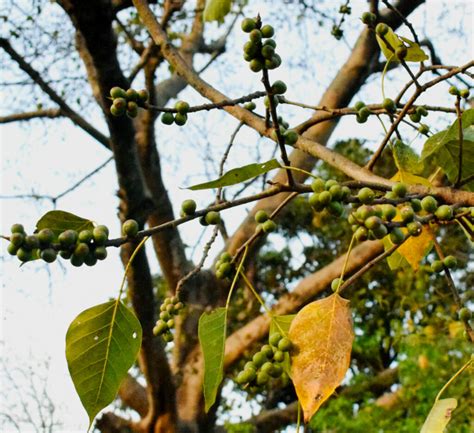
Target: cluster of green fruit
264,222
449,262
266,363
181,116
336,30
127,101
328,195
463,93
375,222
260,54
87,246
169,308
224,266
188,208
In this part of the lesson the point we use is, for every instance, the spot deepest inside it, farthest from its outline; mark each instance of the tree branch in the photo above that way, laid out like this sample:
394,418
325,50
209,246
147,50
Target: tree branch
65,108
50,113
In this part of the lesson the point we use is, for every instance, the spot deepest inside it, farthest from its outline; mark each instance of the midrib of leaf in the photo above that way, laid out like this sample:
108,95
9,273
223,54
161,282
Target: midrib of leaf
329,332
109,341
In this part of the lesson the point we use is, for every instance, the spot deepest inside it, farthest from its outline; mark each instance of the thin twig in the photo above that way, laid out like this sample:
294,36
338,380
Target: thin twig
461,139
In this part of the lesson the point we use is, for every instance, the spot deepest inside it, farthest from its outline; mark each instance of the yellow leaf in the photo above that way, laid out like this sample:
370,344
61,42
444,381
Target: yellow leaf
414,52
414,249
439,416
322,335
410,179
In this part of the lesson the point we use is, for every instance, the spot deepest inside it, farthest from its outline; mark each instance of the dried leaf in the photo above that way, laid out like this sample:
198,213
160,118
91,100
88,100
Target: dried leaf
416,248
322,334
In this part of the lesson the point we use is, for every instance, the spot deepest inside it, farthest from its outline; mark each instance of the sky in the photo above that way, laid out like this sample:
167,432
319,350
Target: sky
39,301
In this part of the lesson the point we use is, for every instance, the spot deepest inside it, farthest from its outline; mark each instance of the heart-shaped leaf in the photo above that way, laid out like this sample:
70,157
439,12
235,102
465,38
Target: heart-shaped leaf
414,52
322,336
102,343
59,221
212,334
238,175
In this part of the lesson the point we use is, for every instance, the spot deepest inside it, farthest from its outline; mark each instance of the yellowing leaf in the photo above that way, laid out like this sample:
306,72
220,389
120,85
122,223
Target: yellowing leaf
416,248
322,335
410,179
439,416
414,52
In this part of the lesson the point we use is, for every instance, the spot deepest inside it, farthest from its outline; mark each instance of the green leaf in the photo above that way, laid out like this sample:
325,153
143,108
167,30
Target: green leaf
281,323
406,158
414,52
394,260
59,221
212,334
238,175
439,416
102,343
444,148
216,10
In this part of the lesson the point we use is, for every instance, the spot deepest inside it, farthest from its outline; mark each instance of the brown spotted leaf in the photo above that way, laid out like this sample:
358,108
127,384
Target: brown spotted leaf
322,335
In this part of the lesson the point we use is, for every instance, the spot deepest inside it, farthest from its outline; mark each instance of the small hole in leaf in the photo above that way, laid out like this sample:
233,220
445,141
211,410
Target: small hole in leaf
96,338
134,335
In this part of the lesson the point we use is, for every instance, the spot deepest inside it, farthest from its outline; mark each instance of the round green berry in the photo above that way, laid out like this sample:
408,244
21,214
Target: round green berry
359,105
142,97
180,119
379,232
407,214
46,237
120,104
325,197
278,87
267,31
248,24
381,29
167,118
335,208
188,207
389,105
267,367
270,42
400,189
100,253
416,204
261,216
100,235
90,259
131,95
24,255
76,261
256,65
423,128
366,195
275,338
464,93
444,212
368,18
85,236
336,192
81,250
330,183
250,106
258,359
279,356
255,36
65,254
273,63
453,90
225,257
170,323
373,222
318,185
389,212
414,228
31,242
17,239
130,228
429,204
117,92
267,350
165,315
269,226
437,266
285,344
315,203
262,378
49,255
415,117
422,111
160,327
450,262
116,111
12,249
213,218
361,234
182,107
17,228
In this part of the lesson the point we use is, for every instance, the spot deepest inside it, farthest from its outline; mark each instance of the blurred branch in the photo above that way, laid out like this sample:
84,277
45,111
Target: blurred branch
50,113
65,108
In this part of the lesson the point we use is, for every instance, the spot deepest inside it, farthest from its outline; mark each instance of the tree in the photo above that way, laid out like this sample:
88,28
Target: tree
389,203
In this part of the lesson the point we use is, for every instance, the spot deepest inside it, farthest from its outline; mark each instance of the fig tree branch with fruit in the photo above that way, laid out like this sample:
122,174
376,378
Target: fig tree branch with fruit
389,229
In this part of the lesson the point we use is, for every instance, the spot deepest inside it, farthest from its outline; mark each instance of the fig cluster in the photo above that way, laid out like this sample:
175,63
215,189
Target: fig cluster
180,117
170,308
127,101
